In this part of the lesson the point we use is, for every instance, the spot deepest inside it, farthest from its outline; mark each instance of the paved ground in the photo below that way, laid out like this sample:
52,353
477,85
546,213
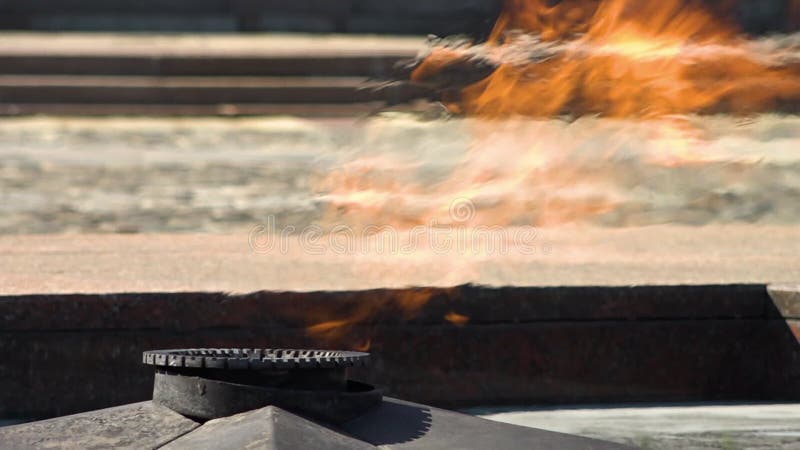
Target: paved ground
748,426
571,256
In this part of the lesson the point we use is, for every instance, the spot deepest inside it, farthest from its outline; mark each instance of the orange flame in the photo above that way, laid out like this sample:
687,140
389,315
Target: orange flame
621,58
658,60
456,319
511,173
338,326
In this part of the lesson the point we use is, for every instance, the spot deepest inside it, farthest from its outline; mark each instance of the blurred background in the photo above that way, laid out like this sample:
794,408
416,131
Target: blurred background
411,17
210,115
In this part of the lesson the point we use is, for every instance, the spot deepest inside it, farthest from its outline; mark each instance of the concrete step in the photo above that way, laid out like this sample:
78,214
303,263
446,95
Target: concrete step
308,110
81,89
191,55
93,74
375,66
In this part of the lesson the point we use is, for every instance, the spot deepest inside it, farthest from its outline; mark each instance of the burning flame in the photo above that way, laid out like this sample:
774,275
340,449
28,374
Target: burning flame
651,63
514,172
648,67
456,319
620,58
341,327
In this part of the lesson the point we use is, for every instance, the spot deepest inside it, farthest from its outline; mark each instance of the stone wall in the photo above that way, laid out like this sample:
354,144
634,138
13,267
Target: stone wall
566,345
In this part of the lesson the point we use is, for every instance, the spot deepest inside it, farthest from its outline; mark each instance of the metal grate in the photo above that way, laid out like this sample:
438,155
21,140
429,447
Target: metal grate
254,358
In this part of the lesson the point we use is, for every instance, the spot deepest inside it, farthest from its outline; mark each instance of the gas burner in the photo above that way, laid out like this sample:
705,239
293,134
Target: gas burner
213,383
275,398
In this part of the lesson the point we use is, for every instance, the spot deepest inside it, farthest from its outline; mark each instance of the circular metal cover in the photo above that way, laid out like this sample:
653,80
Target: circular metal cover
254,358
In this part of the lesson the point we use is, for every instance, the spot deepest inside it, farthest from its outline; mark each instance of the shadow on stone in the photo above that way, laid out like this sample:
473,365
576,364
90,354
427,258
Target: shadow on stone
392,423
783,360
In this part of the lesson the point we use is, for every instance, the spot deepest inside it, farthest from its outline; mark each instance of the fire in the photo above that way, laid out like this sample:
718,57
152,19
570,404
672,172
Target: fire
456,319
549,69
332,325
618,58
648,68
645,67
512,173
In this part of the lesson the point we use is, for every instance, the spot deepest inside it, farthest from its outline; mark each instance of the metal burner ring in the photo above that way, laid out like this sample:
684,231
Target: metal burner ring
254,358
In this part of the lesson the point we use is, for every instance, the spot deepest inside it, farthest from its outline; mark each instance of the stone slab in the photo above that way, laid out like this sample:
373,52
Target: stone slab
786,298
208,45
402,425
142,425
269,428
